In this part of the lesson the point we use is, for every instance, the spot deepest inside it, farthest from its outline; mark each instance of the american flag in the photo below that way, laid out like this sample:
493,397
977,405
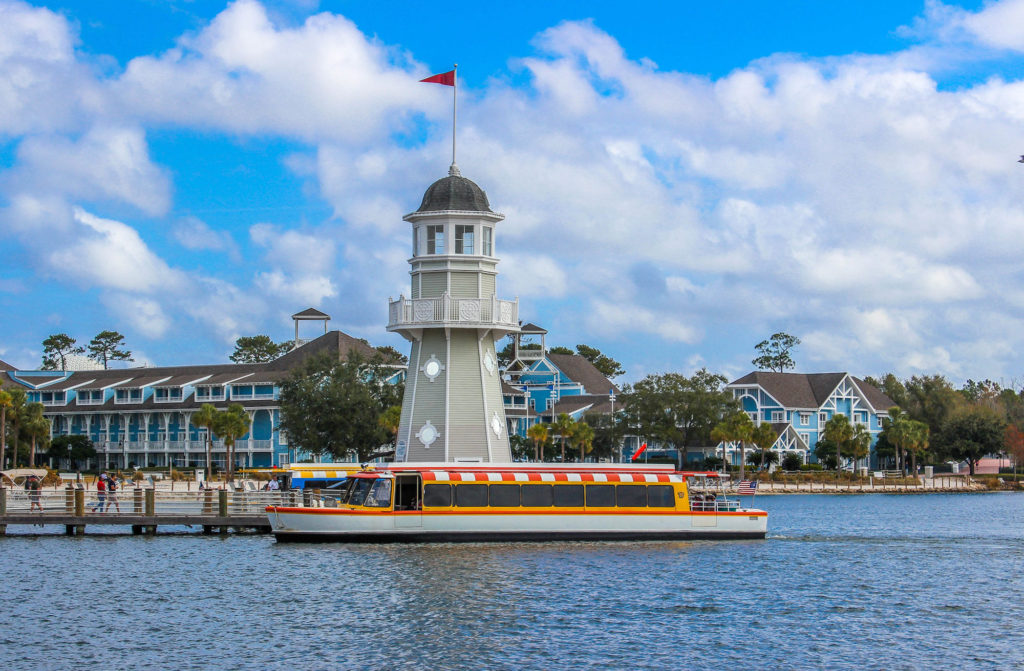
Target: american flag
747,487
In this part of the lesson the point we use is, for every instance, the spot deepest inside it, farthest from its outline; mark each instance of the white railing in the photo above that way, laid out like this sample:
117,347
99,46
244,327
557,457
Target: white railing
448,310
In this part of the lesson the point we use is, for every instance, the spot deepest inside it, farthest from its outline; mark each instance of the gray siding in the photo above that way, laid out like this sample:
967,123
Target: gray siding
487,286
433,285
464,285
430,398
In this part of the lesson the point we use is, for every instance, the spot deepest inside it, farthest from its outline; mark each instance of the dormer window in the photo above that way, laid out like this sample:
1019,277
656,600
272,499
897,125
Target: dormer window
167,394
89,397
210,393
128,396
464,239
435,239
52,398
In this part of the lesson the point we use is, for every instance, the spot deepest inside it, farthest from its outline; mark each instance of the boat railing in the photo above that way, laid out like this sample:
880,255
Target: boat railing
713,503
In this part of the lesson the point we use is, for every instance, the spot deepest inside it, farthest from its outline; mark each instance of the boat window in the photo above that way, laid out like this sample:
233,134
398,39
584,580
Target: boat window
437,495
537,496
380,494
569,496
504,496
360,488
601,496
471,495
661,496
631,496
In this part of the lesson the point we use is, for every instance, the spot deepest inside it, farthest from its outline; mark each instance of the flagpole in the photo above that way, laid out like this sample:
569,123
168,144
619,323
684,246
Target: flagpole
455,108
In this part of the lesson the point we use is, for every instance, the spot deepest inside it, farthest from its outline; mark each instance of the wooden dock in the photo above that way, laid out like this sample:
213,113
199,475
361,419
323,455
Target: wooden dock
143,510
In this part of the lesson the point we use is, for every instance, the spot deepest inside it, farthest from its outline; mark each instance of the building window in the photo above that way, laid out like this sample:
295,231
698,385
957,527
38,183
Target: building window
861,417
463,239
487,247
90,397
806,437
210,393
128,396
415,241
822,417
52,398
435,239
805,418
778,416
167,394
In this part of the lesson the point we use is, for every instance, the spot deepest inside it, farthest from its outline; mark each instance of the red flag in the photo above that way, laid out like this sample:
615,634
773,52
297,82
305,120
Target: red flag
446,78
639,452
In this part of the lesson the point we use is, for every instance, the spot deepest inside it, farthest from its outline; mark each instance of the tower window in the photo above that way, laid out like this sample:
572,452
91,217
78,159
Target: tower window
463,239
415,241
486,246
435,239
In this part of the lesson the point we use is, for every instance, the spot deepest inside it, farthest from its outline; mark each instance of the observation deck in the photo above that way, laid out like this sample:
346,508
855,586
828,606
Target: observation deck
446,312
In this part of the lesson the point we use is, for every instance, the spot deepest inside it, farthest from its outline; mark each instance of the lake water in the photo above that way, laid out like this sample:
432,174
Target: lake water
842,582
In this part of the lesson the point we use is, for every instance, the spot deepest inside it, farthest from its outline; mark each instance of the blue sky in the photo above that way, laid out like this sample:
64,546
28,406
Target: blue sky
679,181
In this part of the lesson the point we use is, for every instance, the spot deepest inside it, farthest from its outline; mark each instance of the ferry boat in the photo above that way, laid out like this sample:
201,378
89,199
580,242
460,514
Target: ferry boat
519,502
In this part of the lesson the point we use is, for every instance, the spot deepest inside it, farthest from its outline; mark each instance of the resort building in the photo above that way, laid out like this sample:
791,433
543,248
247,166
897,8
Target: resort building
141,416
798,405
539,385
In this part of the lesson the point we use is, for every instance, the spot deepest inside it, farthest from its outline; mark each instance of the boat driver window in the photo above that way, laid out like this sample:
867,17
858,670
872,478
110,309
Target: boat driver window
380,494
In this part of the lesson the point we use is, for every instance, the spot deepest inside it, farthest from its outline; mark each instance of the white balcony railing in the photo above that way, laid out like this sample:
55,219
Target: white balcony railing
452,312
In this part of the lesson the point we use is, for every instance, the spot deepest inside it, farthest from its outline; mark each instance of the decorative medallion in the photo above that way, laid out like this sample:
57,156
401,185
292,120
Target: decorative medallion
424,310
427,434
432,368
506,312
489,362
496,424
469,310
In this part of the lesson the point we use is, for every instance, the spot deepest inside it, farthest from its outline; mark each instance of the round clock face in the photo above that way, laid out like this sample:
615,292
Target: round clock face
432,368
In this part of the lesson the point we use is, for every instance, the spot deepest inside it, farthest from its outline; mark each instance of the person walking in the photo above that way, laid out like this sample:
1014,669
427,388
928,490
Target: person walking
112,487
101,492
33,486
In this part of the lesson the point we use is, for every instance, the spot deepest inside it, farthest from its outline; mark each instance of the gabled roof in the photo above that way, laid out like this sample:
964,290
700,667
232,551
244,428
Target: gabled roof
581,371
808,390
311,313
5,366
531,328
878,399
334,343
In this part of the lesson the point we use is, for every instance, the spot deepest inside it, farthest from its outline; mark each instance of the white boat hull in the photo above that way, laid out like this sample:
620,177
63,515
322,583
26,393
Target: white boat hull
323,524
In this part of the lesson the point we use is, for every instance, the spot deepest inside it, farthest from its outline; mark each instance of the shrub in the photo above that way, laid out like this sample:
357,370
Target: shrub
810,467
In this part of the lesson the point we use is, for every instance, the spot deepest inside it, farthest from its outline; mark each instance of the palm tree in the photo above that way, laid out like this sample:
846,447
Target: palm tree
859,444
231,425
564,426
17,414
5,402
36,427
735,427
918,442
764,436
899,431
583,437
538,433
839,431
204,419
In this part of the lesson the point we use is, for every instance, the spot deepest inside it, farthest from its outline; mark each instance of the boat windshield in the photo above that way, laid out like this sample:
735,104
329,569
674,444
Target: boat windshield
372,492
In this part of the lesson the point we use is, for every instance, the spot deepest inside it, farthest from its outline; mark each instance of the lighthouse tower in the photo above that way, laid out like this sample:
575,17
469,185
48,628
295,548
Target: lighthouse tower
452,410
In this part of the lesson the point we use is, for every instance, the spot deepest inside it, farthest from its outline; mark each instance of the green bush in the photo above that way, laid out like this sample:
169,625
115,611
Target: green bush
810,467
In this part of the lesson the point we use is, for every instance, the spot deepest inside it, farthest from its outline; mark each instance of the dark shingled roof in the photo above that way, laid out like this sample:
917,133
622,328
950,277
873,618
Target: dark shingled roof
531,328
581,371
333,342
311,313
454,193
5,366
809,390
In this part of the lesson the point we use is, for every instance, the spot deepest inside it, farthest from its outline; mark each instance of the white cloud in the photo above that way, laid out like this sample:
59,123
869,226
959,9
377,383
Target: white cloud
244,74
193,233
110,254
